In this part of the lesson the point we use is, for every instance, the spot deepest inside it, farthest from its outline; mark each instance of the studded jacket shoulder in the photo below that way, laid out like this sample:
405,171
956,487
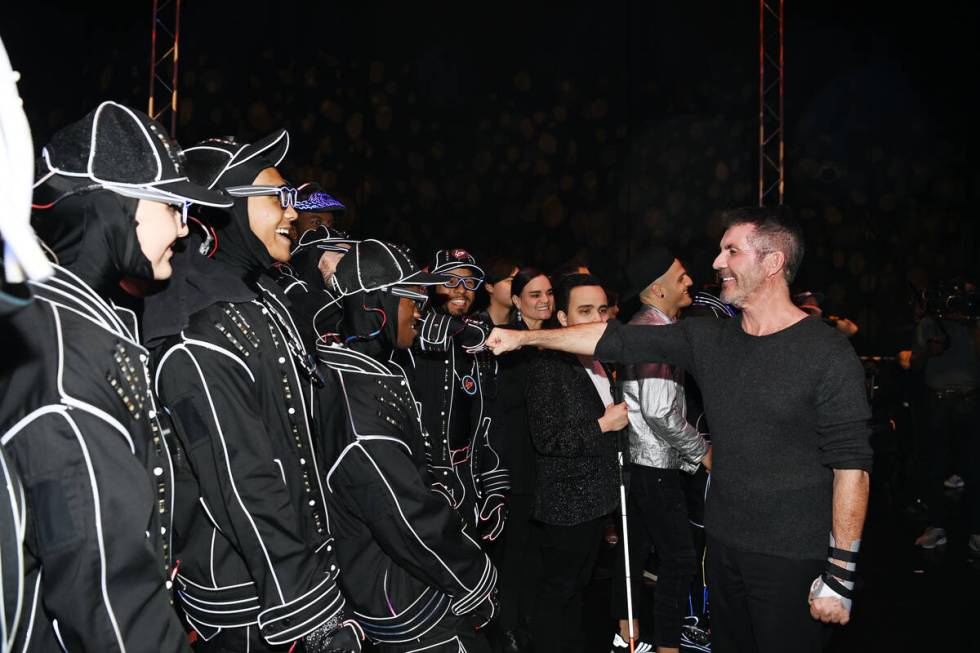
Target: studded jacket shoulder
75,395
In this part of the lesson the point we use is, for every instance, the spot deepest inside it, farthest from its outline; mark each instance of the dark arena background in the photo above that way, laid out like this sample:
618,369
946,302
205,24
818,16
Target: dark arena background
554,131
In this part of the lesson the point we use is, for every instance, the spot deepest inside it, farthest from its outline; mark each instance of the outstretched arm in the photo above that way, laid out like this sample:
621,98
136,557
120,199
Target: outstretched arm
580,339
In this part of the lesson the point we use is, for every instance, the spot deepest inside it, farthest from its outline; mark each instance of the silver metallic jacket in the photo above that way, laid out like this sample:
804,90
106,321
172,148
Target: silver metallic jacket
659,433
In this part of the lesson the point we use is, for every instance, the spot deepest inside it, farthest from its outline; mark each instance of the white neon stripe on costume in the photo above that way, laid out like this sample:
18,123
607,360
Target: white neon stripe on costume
98,530
231,476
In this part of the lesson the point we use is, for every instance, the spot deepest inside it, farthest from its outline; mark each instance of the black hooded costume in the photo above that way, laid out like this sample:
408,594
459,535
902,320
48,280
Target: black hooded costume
455,387
416,578
258,565
77,414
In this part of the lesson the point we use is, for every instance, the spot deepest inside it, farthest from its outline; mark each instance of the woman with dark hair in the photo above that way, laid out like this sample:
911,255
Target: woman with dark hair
533,302
500,272
533,298
258,568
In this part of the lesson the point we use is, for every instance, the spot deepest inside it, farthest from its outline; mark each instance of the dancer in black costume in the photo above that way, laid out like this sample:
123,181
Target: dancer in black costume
416,579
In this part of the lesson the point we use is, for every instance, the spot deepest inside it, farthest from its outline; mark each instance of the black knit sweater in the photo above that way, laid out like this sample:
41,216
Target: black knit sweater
785,410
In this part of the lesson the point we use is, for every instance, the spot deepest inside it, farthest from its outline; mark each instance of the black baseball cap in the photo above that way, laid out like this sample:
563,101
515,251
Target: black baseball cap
447,260
123,150
373,265
325,238
212,159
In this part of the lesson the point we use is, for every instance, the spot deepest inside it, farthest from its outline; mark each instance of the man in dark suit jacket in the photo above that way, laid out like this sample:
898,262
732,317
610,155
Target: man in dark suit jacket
574,423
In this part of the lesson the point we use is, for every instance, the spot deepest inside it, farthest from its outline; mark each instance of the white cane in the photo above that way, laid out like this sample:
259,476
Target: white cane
618,396
626,548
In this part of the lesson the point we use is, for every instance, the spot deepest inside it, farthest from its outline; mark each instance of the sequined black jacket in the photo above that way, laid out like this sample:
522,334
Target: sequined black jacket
406,556
80,423
256,550
577,474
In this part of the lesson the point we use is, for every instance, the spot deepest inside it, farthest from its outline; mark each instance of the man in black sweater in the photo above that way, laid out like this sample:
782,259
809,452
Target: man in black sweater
785,397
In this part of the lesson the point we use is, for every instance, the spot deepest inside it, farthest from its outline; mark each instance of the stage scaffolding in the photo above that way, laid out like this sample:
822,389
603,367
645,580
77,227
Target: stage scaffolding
164,50
771,148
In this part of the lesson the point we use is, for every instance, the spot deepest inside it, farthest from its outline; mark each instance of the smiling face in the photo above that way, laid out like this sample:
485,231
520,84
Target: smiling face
455,301
536,301
675,286
268,220
740,266
158,226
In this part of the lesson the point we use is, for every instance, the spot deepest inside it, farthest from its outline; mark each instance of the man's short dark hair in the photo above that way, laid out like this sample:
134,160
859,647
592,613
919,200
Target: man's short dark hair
567,284
776,230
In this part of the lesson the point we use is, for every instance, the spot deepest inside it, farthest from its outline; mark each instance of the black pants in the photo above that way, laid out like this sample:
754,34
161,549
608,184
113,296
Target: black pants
451,635
657,514
568,557
952,447
516,557
758,602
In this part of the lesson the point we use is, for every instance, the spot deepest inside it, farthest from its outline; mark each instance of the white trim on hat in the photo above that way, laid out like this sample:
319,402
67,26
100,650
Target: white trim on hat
232,163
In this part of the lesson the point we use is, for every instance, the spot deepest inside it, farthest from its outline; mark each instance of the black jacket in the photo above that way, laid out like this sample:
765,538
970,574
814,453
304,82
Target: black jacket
461,439
80,422
236,383
508,408
577,475
406,555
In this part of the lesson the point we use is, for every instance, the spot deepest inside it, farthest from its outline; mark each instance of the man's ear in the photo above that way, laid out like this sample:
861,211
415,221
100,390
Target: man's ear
488,287
562,318
774,262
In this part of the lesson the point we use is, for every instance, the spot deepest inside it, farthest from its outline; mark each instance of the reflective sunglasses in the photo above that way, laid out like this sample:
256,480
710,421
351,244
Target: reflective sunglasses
470,283
420,299
287,194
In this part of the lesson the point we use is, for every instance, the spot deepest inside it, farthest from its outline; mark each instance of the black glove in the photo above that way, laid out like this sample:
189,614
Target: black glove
485,612
473,337
492,515
437,330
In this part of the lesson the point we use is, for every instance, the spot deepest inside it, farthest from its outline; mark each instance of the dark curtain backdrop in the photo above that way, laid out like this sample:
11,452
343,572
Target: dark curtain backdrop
558,130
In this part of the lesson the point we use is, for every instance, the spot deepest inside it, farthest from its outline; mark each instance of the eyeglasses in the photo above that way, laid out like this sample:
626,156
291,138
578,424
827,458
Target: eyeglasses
183,212
470,283
420,299
287,194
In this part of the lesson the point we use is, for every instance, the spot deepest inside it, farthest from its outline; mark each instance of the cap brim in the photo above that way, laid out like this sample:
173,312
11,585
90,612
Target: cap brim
329,205
272,148
191,192
422,278
333,245
447,268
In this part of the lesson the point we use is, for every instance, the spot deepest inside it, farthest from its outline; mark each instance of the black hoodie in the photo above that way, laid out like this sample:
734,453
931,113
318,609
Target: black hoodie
237,381
81,424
